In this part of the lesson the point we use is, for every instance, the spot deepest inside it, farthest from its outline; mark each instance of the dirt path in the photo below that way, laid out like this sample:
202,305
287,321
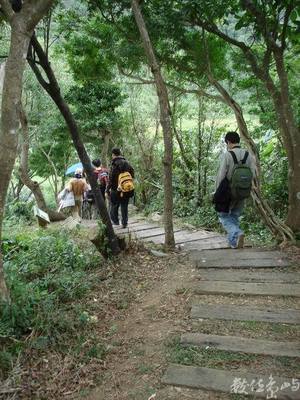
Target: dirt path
137,359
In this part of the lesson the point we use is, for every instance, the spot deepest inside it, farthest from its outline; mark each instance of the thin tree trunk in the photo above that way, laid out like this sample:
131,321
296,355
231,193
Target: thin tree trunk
27,181
55,174
289,128
53,89
199,156
166,123
105,147
207,150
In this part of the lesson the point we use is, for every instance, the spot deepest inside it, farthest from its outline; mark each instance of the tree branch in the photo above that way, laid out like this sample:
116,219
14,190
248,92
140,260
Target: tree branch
34,9
287,14
198,91
6,9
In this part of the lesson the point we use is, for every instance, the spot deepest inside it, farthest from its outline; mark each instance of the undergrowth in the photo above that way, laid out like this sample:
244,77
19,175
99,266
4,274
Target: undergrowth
47,274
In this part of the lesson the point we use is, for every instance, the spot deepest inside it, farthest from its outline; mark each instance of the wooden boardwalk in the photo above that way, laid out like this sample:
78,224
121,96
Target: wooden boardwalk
187,239
240,273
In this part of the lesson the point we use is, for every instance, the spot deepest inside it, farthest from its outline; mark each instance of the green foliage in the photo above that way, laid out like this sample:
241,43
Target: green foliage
47,273
95,106
19,210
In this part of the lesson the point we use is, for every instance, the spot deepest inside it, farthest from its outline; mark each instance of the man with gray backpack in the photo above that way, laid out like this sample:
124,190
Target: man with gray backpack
233,186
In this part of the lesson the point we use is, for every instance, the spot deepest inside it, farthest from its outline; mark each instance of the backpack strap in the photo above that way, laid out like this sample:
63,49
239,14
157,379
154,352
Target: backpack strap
245,157
235,160
234,157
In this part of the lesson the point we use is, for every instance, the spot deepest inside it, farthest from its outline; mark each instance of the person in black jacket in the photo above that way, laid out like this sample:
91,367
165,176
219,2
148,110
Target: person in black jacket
118,165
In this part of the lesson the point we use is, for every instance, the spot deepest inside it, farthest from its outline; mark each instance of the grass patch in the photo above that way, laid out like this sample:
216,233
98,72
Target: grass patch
251,329
47,274
214,358
203,357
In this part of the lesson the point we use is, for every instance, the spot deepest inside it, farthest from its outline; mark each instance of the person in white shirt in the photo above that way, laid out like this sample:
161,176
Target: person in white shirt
230,219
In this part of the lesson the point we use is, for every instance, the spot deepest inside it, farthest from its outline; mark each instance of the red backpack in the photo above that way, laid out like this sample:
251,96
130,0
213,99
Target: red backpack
102,176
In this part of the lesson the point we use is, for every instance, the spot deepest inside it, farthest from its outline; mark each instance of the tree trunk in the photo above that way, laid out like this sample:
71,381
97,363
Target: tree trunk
22,25
289,128
27,181
276,226
12,90
166,123
105,147
52,88
199,155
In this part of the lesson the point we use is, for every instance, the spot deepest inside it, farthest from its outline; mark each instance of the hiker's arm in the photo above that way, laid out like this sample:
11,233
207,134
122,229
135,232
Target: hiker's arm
110,177
131,170
69,186
86,186
222,171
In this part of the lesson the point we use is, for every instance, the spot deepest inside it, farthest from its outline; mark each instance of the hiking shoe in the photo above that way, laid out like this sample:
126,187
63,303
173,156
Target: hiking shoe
124,226
240,241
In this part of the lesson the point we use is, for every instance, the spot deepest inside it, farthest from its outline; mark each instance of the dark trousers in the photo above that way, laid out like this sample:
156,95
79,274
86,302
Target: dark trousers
117,201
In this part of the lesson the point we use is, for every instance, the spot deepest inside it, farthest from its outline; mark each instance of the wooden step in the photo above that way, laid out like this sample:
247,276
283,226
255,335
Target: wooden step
151,233
249,289
241,254
242,345
235,263
142,227
256,385
188,238
206,244
243,313
235,258
249,276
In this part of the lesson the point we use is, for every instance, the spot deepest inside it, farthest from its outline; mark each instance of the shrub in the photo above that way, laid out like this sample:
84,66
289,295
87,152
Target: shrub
19,210
44,271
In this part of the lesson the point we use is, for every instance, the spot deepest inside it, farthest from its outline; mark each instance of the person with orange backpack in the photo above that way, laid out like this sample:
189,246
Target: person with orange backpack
120,187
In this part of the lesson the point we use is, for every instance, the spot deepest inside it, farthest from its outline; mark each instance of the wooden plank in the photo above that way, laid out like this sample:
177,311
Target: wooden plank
185,237
243,313
242,345
249,289
137,228
142,227
256,385
250,276
130,225
149,233
237,263
211,244
241,254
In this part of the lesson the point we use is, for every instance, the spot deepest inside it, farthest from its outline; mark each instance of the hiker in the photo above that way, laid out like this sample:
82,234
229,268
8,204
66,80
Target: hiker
102,174
120,187
233,186
78,186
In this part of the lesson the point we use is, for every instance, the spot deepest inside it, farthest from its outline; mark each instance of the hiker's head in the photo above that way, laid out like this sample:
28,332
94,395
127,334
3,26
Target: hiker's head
116,152
232,138
96,163
78,173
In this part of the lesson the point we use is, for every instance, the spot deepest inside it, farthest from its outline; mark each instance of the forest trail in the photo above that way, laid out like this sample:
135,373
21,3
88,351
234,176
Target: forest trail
217,321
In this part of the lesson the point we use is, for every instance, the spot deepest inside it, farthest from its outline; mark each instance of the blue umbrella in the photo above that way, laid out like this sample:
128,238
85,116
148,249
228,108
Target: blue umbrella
71,170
